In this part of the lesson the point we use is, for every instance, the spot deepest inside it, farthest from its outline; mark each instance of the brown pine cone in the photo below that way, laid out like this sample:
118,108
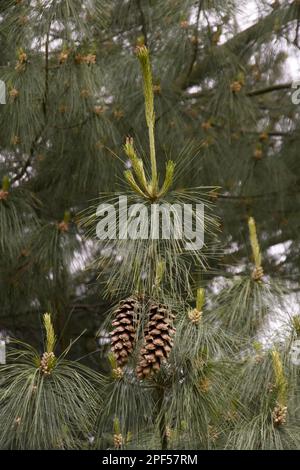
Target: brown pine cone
124,332
158,340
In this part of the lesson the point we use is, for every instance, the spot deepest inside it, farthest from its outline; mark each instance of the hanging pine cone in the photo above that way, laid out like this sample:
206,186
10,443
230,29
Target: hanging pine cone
123,335
158,340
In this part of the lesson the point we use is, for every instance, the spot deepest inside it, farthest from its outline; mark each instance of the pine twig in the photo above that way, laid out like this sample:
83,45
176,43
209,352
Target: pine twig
269,89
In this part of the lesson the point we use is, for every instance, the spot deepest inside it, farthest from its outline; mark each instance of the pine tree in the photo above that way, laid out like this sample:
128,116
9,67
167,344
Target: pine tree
162,101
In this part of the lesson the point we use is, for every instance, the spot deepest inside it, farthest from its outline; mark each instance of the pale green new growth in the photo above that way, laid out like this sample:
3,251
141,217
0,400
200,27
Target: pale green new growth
254,242
148,190
143,55
281,383
160,270
170,168
130,179
50,334
5,183
137,163
200,299
117,427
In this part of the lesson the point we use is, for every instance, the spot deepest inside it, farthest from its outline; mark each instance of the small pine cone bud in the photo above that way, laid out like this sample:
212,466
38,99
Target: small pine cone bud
90,59
13,93
118,441
206,125
184,24
158,341
118,114
257,273
85,93
124,333
195,316
236,86
98,110
63,57
157,89
79,59
63,226
118,373
279,415
258,154
15,140
263,136
3,195
46,364
22,57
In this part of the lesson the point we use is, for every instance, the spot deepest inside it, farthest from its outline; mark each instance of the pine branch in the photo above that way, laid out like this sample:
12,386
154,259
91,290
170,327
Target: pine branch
269,89
260,91
73,126
238,42
28,161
